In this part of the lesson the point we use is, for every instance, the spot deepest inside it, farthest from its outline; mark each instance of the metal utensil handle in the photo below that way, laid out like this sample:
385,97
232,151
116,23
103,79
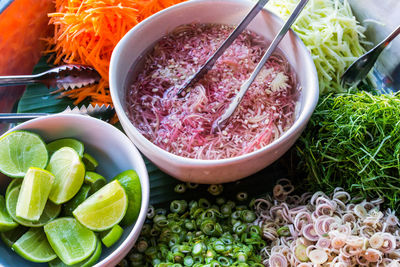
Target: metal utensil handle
20,117
211,61
18,80
391,36
220,122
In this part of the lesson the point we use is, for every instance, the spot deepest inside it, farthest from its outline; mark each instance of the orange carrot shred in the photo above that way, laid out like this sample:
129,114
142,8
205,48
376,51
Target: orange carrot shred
86,32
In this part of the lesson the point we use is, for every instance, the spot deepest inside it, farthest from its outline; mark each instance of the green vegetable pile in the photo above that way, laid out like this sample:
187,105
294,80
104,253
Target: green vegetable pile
331,33
353,142
199,234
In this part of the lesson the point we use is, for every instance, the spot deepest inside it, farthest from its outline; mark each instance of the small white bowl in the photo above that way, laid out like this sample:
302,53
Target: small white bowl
114,152
138,40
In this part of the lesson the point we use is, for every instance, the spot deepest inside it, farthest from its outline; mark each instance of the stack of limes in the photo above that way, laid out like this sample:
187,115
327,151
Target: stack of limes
55,210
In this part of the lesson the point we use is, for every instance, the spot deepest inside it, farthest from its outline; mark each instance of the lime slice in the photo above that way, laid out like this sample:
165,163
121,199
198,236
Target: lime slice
14,183
69,142
10,237
71,241
33,246
50,211
82,194
111,236
86,263
90,162
20,150
103,209
6,222
95,180
34,193
69,172
131,183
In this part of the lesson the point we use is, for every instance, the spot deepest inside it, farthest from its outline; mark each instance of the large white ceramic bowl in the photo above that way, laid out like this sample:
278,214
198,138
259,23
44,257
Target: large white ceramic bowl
135,43
114,152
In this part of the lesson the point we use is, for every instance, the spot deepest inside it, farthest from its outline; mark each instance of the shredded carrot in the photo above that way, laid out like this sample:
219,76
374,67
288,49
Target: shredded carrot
86,32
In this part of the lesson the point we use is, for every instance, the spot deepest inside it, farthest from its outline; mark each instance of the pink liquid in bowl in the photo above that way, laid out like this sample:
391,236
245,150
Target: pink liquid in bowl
182,126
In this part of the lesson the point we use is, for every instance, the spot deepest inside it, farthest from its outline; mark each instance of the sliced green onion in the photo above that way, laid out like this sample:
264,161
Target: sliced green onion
248,216
218,246
215,189
204,203
283,231
150,212
180,188
241,196
197,249
191,185
188,261
178,206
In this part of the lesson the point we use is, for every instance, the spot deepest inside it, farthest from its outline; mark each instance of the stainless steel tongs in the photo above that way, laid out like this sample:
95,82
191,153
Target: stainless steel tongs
63,77
93,111
221,121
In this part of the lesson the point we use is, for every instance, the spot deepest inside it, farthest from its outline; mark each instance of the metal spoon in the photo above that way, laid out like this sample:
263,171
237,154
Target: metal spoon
184,89
222,120
361,67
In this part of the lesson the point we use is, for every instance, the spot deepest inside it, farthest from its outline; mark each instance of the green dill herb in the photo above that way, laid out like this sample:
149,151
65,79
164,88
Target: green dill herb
353,142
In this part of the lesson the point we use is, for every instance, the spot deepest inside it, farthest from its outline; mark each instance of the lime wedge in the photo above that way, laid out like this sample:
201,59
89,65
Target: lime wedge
86,263
71,241
69,142
10,237
111,236
103,209
50,211
6,222
90,162
131,183
69,172
20,150
95,180
82,194
33,246
14,183
34,193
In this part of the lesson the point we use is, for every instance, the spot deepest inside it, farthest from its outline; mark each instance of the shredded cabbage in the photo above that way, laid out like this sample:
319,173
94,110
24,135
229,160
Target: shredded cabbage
331,33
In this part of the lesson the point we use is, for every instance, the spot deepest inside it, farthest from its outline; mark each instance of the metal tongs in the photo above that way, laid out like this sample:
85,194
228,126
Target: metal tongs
63,77
93,111
222,120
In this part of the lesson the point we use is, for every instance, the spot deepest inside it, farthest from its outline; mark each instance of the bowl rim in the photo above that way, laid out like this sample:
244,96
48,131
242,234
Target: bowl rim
311,100
129,241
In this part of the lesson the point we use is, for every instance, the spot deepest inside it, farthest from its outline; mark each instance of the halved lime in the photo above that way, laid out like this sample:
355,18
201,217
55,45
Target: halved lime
95,180
90,162
66,142
69,171
6,222
50,211
131,183
86,263
82,194
33,246
111,236
71,241
103,209
10,237
14,183
34,193
20,150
